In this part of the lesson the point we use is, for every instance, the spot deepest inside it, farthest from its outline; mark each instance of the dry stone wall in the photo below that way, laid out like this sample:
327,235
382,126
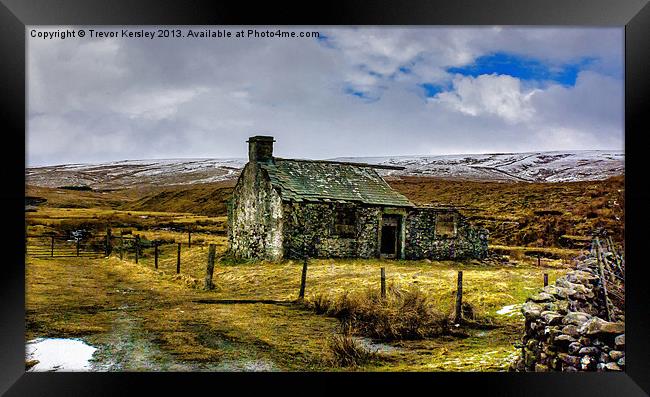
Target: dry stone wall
565,329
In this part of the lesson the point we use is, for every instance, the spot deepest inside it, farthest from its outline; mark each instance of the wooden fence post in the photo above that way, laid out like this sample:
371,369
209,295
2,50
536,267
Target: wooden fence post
303,279
600,257
210,269
78,242
383,283
189,238
459,298
545,279
121,244
155,254
52,247
109,244
137,248
178,259
617,257
539,260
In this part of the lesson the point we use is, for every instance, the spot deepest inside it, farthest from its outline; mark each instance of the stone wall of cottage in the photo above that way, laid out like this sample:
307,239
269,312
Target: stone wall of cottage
309,229
255,228
262,226
565,328
422,242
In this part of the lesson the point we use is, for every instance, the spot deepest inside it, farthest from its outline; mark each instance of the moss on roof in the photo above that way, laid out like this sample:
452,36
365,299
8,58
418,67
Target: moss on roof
304,180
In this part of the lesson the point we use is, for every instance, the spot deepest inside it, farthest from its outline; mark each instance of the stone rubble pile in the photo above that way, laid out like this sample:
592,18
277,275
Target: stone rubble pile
565,328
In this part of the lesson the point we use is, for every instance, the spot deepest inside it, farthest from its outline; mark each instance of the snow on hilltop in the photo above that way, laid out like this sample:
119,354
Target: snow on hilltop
559,166
126,173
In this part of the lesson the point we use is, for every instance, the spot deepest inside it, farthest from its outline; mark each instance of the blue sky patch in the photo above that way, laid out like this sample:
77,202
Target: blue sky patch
431,90
367,97
325,41
523,68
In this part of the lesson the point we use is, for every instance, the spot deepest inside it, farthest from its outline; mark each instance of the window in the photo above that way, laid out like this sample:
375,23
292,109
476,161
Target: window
345,223
446,225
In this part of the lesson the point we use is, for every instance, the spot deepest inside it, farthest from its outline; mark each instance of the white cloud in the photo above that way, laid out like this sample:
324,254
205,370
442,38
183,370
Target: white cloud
96,100
155,104
493,94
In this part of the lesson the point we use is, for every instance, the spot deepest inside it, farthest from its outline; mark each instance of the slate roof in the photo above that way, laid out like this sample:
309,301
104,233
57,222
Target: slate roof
326,181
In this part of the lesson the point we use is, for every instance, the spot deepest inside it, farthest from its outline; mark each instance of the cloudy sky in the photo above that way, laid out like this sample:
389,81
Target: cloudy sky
349,92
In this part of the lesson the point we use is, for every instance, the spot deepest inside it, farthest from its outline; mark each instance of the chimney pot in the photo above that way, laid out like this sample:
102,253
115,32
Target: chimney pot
260,148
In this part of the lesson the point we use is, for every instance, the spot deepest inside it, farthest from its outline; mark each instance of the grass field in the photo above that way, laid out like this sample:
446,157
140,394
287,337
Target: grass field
143,319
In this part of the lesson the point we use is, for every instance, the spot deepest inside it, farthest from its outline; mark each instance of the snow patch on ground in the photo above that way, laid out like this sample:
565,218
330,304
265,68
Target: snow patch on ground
510,310
56,354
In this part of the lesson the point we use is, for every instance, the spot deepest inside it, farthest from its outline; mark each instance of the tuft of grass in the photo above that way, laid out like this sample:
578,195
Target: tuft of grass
401,315
320,304
348,352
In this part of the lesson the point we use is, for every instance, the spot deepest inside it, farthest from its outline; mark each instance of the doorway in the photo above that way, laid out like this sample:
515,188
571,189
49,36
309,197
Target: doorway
390,228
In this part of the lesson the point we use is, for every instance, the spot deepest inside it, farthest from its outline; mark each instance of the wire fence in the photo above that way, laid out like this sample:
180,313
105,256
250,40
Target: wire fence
48,245
167,255
611,271
126,246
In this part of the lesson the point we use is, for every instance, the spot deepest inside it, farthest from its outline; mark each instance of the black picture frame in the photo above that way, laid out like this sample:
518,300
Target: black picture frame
16,14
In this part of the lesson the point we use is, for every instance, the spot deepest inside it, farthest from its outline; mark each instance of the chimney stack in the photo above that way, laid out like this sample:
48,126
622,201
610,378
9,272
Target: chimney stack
260,148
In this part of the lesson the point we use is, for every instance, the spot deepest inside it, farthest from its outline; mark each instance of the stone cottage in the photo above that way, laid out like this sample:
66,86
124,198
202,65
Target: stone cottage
288,208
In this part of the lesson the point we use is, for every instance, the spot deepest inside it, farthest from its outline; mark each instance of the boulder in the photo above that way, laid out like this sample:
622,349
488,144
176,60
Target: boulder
596,325
557,364
549,350
529,358
576,318
621,361
542,297
589,350
560,306
588,363
612,367
571,330
604,357
531,310
556,291
541,368
581,277
564,340
615,355
551,318
569,286
573,361
551,331
620,342
531,344
517,365
574,347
